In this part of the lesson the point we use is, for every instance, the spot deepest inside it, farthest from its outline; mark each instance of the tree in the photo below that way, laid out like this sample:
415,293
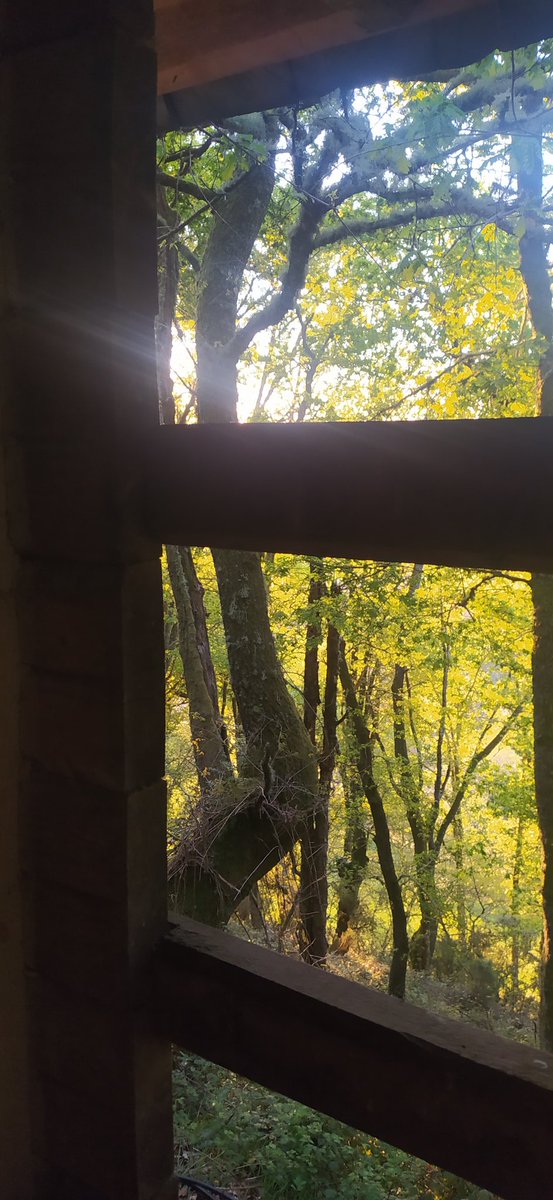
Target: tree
313,898
381,832
264,209
529,165
423,733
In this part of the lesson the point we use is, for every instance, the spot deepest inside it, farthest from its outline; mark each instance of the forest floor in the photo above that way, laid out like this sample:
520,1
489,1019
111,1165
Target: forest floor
456,996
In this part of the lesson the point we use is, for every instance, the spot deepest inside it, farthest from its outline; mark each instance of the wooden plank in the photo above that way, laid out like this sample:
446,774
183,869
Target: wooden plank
464,1099
15,1131
79,299
456,493
198,45
244,56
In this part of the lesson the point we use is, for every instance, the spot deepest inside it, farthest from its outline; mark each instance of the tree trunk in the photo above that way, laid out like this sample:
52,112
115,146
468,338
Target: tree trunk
278,762
238,218
313,894
423,942
542,591
196,594
534,268
460,897
516,895
241,834
168,283
278,752
314,869
313,898
208,736
239,830
212,761
353,865
313,636
400,940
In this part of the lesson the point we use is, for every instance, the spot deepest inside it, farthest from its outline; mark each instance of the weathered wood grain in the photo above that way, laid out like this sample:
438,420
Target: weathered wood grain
234,57
464,1099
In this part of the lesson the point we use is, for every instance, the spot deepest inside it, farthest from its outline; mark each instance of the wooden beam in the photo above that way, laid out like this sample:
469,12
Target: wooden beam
83,807
242,56
198,45
456,493
463,1099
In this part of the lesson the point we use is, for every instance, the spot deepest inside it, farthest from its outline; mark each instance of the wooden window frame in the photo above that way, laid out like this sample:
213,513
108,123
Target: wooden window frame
462,493
472,494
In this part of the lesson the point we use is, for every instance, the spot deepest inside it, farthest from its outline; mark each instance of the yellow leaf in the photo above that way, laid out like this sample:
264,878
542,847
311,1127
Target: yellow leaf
489,232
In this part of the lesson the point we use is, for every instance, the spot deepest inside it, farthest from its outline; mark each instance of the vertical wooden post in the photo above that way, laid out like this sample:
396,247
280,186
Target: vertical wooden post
78,139
14,1113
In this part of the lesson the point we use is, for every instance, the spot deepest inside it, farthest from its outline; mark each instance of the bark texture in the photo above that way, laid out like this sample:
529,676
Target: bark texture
381,834
242,834
410,783
196,595
534,267
313,893
212,761
238,218
314,843
353,864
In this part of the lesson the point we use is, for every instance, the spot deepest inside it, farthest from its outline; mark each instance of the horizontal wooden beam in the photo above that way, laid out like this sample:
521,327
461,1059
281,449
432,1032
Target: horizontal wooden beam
198,45
463,1099
224,58
456,493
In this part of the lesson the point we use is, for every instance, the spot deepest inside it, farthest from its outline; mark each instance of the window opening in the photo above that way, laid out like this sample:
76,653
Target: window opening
351,738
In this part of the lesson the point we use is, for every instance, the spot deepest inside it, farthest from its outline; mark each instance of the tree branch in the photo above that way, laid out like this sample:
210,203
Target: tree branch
477,758
461,203
187,187
190,153
191,258
301,245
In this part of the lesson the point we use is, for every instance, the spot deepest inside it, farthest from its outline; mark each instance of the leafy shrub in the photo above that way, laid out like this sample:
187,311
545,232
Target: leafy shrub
243,1138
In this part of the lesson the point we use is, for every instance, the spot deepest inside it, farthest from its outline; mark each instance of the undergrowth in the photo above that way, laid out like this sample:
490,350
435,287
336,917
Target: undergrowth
261,1146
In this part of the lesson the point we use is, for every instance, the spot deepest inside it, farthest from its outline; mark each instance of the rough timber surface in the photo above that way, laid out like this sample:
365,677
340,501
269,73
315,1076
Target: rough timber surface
237,56
81,623
466,1100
